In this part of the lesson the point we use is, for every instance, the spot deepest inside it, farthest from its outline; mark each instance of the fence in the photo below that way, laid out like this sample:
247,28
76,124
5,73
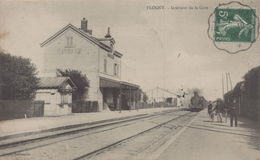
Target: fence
84,106
15,109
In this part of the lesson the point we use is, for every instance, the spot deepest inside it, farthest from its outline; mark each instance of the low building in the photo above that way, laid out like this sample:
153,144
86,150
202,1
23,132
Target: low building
76,48
56,92
160,95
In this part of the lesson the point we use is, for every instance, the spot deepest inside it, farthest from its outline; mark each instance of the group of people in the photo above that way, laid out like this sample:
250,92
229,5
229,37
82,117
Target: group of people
222,110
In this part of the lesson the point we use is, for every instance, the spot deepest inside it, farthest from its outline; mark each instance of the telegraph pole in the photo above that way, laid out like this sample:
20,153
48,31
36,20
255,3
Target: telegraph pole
152,98
223,85
230,81
227,80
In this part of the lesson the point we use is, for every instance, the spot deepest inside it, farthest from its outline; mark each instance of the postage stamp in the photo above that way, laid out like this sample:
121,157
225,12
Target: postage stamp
233,27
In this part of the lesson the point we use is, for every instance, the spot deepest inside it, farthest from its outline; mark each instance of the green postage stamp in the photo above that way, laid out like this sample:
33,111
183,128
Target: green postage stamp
234,25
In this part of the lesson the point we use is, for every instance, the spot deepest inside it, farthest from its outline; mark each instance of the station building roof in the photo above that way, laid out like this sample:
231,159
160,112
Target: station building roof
54,82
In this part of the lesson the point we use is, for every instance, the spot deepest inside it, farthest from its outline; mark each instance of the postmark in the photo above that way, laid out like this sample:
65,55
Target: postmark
233,27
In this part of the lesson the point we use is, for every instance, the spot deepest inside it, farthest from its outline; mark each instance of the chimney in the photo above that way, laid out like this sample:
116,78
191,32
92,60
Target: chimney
108,33
84,25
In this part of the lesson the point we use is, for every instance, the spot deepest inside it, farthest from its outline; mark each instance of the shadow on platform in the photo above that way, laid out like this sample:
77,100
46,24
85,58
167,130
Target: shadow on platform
254,127
247,129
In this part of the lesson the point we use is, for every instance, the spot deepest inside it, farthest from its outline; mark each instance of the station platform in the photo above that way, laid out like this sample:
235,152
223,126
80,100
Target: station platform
204,139
20,127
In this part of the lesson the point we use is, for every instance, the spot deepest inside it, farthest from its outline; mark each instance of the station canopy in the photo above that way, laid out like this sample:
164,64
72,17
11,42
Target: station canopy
111,83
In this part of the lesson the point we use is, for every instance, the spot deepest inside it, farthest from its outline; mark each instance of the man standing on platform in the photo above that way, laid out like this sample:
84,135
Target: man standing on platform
233,113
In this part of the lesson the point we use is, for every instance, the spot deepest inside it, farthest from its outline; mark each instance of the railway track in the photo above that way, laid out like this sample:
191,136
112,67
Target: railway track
86,129
107,147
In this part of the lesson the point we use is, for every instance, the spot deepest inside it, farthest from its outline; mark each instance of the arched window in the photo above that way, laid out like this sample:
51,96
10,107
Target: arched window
105,65
69,43
115,69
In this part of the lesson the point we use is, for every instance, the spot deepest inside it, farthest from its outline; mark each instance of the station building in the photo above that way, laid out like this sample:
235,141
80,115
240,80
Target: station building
76,48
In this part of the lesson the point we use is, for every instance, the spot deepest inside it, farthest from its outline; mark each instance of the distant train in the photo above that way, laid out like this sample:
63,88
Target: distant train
197,103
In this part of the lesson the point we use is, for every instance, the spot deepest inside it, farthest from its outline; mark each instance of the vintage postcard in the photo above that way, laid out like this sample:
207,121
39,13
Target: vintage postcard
129,80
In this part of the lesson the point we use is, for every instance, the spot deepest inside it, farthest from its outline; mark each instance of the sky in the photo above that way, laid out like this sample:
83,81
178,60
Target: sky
165,48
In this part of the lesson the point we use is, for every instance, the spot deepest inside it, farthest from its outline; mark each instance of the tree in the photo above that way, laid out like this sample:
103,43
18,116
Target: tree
251,73
17,77
145,97
80,80
251,85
